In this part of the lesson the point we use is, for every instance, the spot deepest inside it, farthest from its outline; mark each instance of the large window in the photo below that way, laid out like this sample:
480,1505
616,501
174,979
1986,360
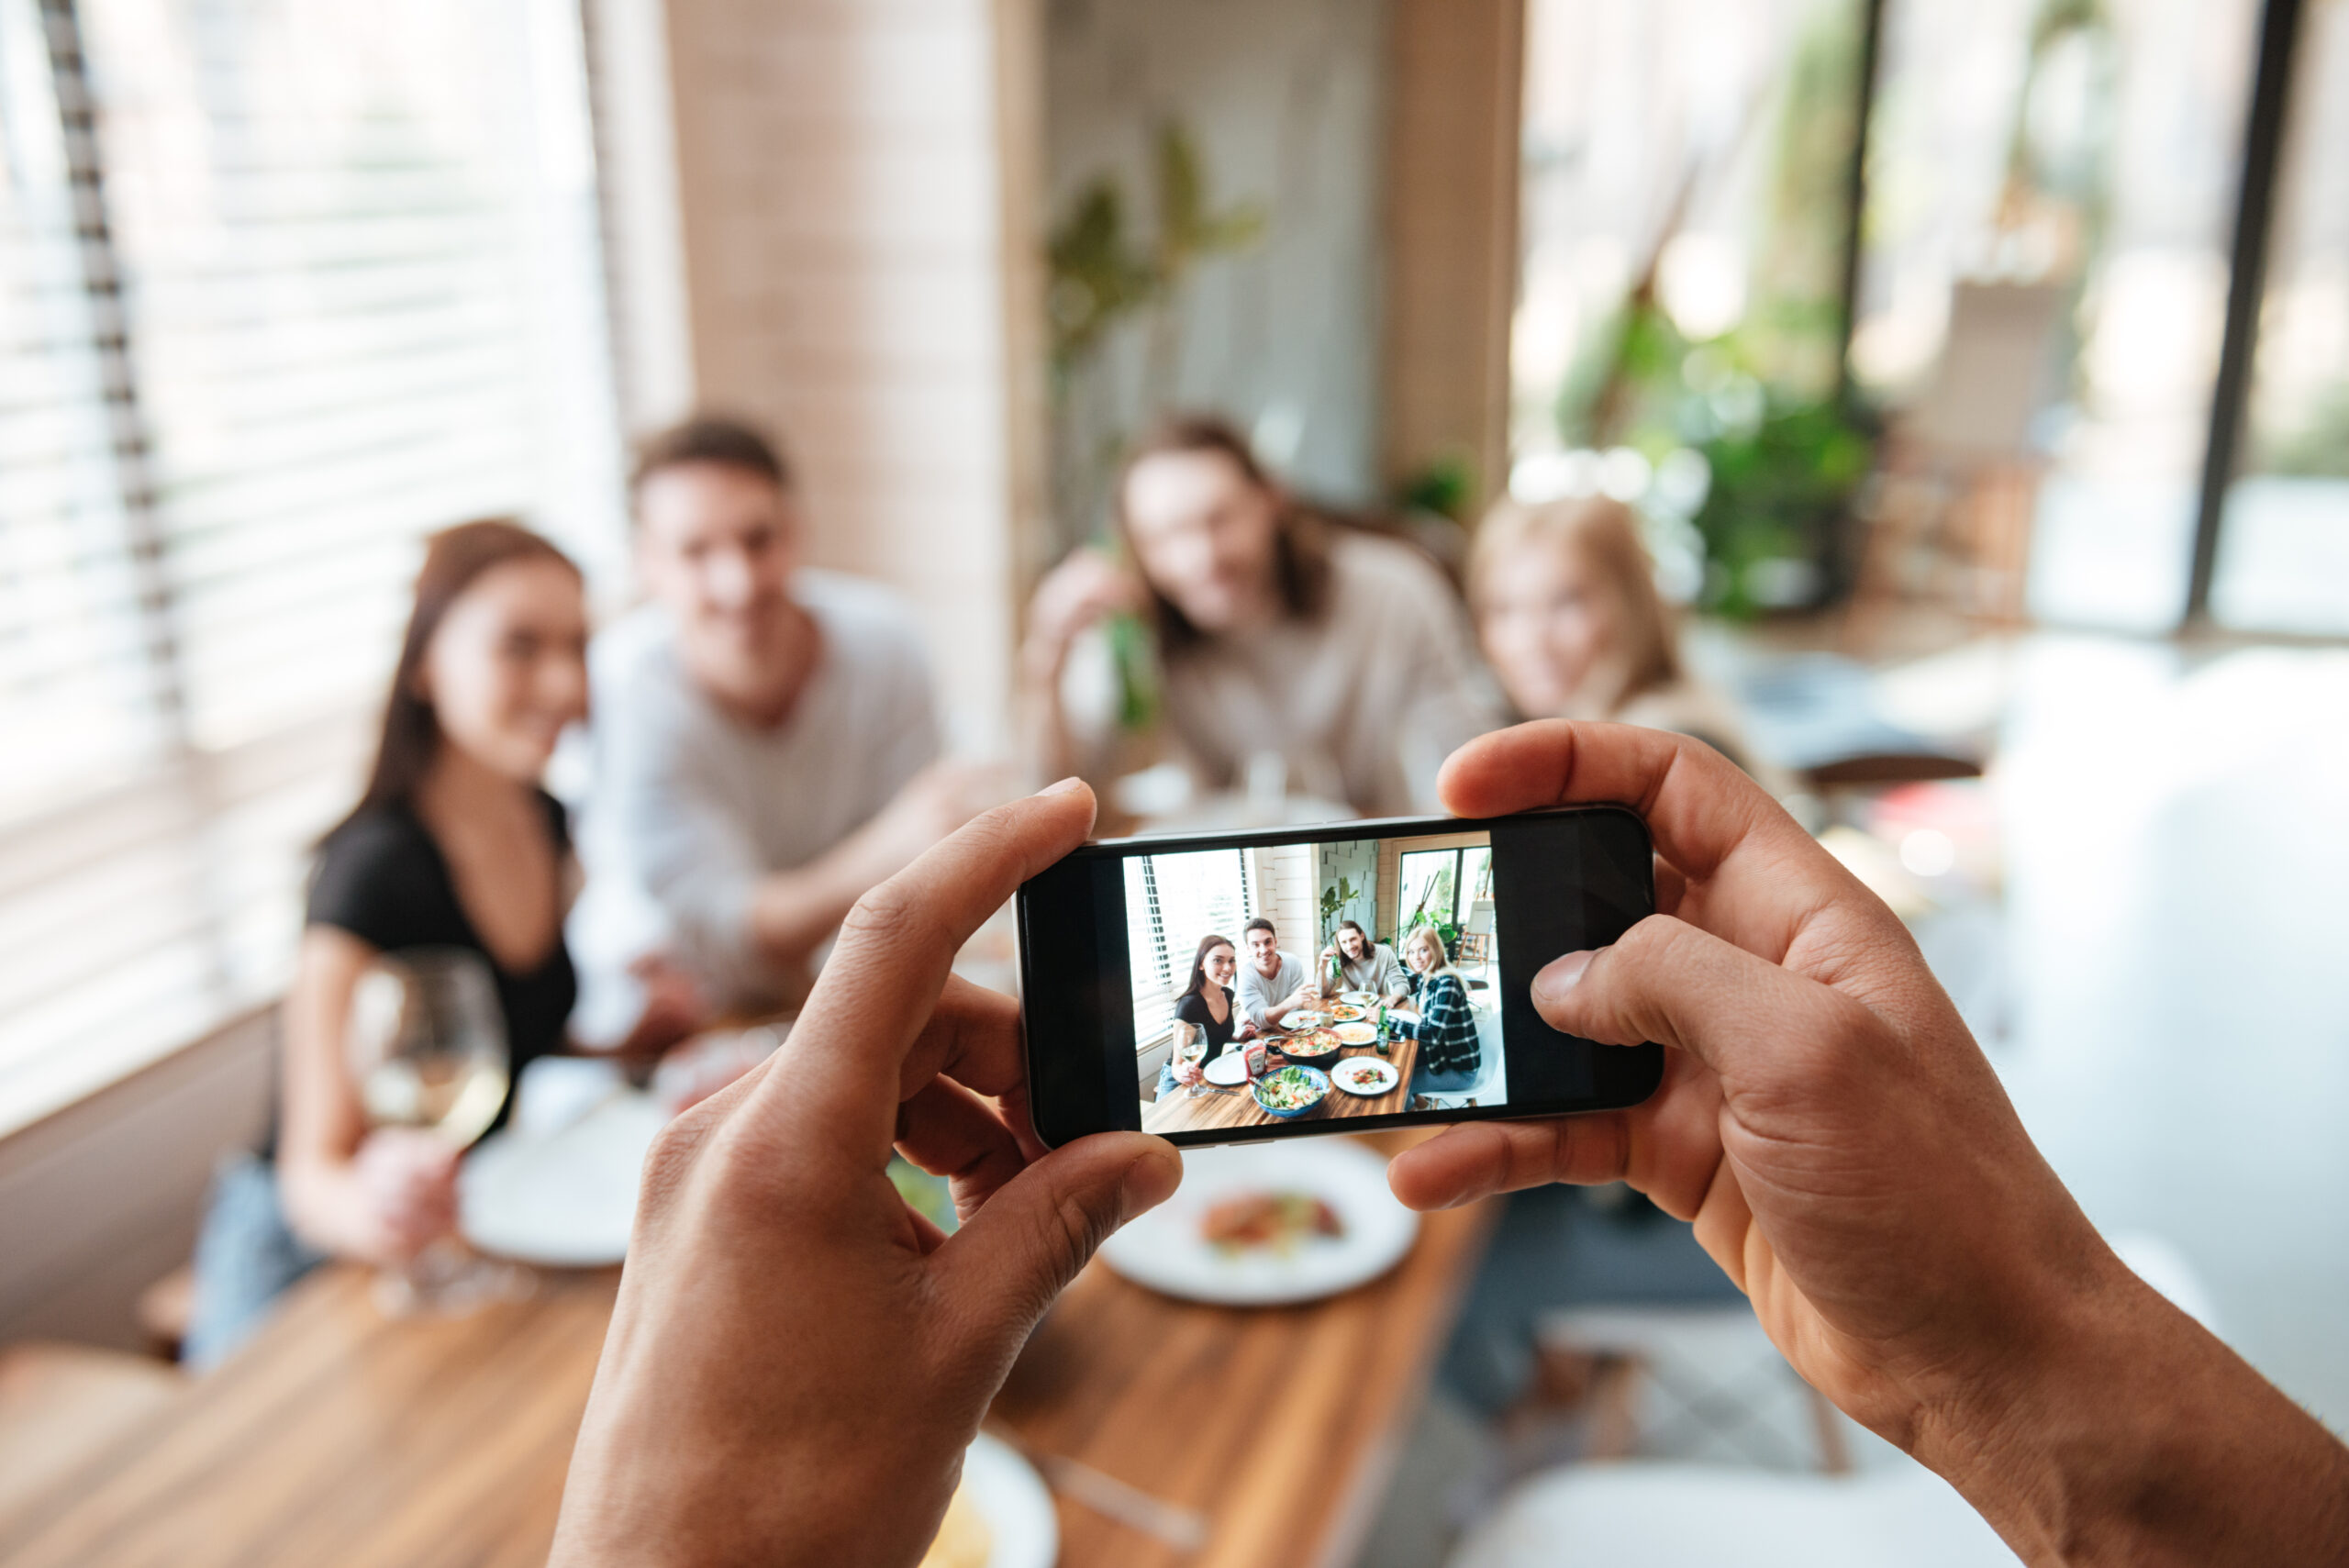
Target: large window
284,285
1442,886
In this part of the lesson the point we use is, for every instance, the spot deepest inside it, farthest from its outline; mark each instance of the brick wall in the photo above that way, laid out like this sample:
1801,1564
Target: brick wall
854,239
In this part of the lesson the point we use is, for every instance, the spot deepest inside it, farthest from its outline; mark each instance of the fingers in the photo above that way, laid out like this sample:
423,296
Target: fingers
1021,1249
1748,1020
1479,1159
1708,818
973,1036
843,1062
949,1132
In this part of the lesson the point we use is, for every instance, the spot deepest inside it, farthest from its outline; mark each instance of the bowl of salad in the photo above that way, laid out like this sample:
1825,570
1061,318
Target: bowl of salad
1292,1091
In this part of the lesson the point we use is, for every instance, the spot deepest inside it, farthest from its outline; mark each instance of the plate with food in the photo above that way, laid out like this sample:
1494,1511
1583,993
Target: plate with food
1230,1070
1314,1045
1345,1013
1356,1034
1268,1223
1304,1019
1000,1516
1368,1076
1291,1092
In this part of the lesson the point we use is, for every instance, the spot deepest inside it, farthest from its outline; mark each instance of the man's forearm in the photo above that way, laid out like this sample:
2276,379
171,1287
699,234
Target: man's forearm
793,912
2141,1440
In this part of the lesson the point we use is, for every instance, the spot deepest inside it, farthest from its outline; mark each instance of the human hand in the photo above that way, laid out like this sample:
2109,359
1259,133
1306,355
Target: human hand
1081,592
672,1009
400,1196
1848,1157
797,1359
1188,1072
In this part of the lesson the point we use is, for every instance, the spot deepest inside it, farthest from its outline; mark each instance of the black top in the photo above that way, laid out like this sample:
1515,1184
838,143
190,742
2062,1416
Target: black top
383,878
1193,1010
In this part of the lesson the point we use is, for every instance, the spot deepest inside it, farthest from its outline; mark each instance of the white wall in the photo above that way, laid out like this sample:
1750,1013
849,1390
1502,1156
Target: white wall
100,1200
1284,100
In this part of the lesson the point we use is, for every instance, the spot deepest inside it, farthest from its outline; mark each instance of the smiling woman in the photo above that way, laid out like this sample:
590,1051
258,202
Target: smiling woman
451,846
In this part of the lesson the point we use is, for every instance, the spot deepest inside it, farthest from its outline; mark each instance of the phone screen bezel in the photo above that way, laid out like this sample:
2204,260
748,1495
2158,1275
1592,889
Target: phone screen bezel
1071,1091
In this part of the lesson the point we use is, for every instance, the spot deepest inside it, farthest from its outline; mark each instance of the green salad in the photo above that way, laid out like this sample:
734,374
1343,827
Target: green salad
1290,1089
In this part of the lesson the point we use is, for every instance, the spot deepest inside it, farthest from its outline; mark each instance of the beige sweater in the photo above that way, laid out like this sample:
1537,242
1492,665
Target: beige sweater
1363,704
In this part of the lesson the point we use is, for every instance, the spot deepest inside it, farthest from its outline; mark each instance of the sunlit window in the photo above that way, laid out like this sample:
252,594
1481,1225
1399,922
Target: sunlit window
345,291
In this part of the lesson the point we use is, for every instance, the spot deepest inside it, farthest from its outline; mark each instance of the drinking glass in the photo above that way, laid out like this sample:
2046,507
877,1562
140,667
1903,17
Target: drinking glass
1191,1046
427,1043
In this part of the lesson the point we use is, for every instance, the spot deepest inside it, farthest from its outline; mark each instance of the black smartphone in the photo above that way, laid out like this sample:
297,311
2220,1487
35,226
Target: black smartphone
1339,978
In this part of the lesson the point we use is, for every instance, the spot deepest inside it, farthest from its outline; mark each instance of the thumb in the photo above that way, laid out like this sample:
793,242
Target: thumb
1027,1241
1668,982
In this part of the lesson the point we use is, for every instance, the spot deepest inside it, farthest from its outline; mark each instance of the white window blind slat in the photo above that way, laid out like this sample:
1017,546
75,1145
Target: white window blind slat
313,288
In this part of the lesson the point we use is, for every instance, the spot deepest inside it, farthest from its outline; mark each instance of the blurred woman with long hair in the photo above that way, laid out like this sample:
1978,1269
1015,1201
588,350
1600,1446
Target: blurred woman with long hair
453,844
1277,635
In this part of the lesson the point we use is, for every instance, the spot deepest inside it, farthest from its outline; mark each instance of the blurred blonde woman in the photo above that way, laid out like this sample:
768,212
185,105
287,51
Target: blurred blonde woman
1568,615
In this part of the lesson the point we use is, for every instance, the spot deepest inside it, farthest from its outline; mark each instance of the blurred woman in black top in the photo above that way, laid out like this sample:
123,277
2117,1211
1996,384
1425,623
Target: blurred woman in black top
453,844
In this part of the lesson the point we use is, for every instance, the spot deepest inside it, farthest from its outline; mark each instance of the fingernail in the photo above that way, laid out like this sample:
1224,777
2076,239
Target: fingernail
1151,1180
1560,976
1063,787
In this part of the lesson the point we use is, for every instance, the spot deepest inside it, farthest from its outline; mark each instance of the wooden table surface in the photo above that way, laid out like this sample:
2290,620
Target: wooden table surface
1179,1112
338,1436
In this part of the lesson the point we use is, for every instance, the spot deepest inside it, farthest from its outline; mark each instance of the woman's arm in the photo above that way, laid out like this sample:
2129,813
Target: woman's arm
378,1196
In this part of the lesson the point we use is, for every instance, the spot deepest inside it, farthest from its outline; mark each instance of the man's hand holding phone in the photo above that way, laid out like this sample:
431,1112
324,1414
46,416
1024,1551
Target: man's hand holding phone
797,1359
1848,1157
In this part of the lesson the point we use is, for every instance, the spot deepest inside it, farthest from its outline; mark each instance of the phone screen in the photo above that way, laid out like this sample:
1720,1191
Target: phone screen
1336,979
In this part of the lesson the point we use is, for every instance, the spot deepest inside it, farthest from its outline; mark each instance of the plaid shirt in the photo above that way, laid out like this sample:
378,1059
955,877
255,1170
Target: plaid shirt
1447,1028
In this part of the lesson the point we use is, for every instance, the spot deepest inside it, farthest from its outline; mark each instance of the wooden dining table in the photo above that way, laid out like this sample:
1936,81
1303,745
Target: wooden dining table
1182,1111
339,1435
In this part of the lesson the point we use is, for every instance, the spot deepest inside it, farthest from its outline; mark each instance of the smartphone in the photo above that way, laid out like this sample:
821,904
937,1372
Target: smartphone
1342,978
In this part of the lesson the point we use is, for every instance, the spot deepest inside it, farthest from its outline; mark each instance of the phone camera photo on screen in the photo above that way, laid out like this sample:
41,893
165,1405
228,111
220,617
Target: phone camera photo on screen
1338,979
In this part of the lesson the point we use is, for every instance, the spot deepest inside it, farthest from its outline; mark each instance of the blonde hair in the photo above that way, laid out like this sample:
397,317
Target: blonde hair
1428,934
1606,535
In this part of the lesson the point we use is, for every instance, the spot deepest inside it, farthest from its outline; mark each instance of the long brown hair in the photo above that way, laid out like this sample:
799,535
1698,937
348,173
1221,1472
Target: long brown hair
453,558
1208,944
1300,538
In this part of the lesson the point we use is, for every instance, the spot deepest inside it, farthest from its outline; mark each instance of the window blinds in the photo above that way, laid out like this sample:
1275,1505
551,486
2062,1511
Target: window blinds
360,299
1173,901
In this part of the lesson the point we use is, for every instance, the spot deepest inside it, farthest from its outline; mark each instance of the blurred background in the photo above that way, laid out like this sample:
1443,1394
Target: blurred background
1976,375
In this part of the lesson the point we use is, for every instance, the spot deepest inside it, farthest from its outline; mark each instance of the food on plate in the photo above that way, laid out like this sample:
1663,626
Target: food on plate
1274,1221
1356,1034
1307,1021
1364,1076
1312,1043
1345,1014
1291,1089
963,1540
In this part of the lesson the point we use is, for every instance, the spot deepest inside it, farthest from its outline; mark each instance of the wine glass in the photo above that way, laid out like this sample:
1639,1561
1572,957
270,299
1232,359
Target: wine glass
1191,1046
427,1044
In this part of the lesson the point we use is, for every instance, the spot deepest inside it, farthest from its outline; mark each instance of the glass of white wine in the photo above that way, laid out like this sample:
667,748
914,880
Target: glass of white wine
427,1043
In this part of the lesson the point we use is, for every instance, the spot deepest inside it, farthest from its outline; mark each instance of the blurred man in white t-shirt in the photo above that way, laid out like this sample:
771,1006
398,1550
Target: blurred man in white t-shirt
765,739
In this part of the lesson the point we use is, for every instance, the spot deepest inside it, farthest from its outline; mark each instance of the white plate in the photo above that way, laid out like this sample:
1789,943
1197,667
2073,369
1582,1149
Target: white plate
1387,1076
1305,1021
1024,1531
1230,1069
565,1200
1164,1248
1359,998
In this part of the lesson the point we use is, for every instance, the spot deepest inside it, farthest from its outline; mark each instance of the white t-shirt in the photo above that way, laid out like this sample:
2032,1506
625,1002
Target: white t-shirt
1261,992
687,808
